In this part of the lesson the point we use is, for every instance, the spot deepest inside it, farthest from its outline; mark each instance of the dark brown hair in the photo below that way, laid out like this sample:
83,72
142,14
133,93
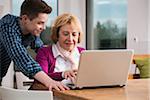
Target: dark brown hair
32,8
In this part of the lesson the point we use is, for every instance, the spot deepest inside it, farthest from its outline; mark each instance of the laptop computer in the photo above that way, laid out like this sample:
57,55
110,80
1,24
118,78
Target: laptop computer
100,68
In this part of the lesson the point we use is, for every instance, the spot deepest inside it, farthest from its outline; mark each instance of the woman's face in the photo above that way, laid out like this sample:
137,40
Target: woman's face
68,37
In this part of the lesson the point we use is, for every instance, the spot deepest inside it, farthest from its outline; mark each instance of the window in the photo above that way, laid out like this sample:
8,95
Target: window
45,36
106,24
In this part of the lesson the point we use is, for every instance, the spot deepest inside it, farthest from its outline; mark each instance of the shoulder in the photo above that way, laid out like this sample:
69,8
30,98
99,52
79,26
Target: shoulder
8,16
46,52
8,19
44,49
81,49
9,23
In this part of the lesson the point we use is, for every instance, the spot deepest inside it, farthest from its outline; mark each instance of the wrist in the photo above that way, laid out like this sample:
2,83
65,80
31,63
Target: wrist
63,74
49,82
43,78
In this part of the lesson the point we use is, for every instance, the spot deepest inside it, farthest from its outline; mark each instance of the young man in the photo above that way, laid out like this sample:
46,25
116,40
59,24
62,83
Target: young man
17,33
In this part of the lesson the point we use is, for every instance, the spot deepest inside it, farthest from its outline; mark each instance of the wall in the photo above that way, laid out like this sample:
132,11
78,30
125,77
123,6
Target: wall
138,21
149,26
76,7
5,7
138,26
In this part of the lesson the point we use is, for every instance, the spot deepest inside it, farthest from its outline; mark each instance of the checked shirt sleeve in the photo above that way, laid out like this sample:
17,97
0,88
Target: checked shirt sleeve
17,52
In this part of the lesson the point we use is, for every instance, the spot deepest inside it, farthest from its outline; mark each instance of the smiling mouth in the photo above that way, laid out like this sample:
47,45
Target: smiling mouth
37,32
69,43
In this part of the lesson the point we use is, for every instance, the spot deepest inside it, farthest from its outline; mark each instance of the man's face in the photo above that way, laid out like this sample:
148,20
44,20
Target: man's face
36,25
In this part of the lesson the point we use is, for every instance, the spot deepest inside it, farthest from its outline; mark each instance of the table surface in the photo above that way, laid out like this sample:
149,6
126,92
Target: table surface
136,89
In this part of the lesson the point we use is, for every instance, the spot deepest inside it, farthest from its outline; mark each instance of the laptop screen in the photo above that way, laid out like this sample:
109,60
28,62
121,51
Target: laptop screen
103,67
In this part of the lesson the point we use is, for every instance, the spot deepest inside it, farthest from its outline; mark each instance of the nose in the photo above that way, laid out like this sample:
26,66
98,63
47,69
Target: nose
43,27
70,37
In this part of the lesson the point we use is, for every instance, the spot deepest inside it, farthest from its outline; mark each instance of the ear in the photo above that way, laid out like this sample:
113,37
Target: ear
79,38
24,18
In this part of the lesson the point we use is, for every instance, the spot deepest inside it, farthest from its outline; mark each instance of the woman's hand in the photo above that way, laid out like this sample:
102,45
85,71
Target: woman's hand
71,74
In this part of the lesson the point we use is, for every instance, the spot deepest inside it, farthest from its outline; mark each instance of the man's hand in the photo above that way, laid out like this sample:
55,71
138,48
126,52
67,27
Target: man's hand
50,83
57,86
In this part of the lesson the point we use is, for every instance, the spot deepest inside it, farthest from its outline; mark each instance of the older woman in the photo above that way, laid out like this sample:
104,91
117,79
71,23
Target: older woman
60,60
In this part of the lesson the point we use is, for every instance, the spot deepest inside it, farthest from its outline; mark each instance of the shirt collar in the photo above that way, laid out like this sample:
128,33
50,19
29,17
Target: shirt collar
56,52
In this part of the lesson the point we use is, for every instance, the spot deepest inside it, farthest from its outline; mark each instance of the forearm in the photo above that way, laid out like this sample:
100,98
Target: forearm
48,82
43,78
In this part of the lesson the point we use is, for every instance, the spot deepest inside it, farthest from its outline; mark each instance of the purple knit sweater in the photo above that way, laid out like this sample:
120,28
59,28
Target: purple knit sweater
47,61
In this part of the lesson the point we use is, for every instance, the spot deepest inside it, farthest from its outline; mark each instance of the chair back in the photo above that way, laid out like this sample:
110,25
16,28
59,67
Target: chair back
17,94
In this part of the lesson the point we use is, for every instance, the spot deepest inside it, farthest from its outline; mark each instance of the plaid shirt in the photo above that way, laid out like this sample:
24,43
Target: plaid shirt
13,47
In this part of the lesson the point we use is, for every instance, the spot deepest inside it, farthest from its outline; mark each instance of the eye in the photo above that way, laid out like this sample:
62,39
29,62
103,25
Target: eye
40,23
75,33
66,33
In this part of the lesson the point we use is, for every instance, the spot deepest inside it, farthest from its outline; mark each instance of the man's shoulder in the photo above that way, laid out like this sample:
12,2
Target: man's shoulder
7,19
8,16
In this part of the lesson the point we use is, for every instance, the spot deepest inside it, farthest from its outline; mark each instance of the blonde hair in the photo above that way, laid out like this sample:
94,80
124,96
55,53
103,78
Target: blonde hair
61,20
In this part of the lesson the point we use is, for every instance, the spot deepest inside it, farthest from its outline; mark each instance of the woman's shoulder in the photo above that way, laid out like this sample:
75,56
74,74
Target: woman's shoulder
45,48
81,49
46,51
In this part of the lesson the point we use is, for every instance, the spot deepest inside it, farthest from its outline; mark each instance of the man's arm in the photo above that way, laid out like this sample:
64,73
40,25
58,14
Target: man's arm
18,53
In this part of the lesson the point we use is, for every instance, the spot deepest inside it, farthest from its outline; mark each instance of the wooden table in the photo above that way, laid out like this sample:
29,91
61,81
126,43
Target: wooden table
136,89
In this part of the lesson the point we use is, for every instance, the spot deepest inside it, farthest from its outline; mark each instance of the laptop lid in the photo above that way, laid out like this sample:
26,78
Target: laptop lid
103,68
